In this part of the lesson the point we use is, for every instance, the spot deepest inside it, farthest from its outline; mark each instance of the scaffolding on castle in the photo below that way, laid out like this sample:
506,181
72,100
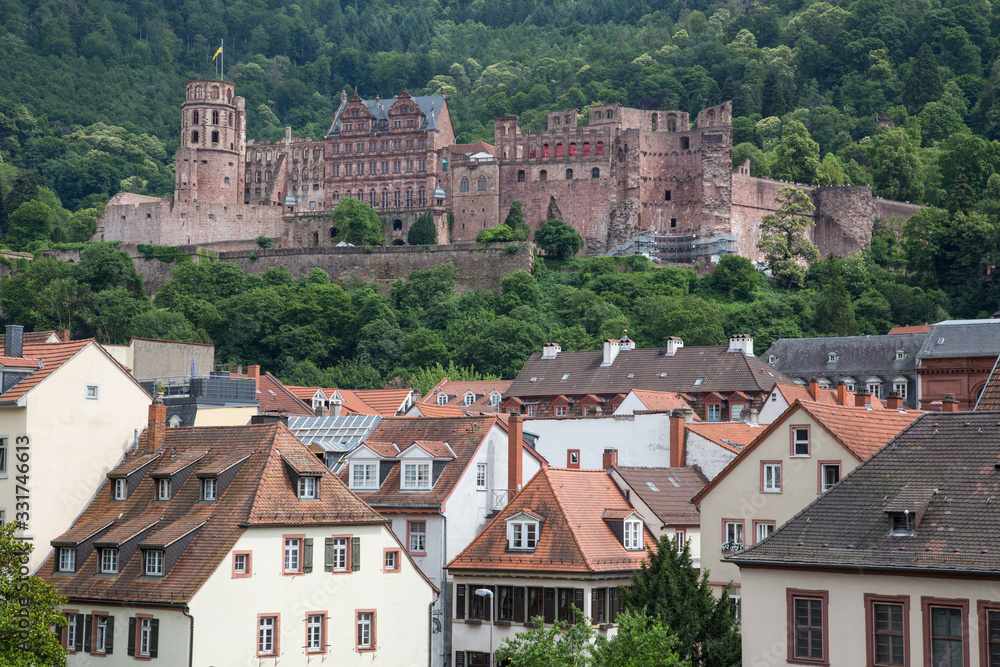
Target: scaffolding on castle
677,249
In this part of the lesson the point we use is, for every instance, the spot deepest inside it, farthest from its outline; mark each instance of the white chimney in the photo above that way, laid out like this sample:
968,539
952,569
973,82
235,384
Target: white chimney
741,343
335,407
673,344
611,350
550,350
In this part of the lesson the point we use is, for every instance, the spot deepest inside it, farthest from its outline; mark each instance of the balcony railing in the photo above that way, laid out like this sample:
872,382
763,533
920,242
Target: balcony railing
502,497
212,387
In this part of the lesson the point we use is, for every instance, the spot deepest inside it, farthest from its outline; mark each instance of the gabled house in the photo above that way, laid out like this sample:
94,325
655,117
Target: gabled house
956,358
339,402
232,545
799,456
68,412
570,538
721,381
439,481
639,400
473,397
783,395
896,565
708,446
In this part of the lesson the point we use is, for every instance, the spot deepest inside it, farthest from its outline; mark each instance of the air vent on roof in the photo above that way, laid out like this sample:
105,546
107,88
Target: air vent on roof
940,341
652,487
663,375
272,393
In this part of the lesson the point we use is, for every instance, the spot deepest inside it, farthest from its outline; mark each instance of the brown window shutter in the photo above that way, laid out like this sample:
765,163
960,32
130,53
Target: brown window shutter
131,635
578,600
307,555
613,604
88,630
549,605
154,637
355,553
110,643
80,634
460,604
328,554
519,603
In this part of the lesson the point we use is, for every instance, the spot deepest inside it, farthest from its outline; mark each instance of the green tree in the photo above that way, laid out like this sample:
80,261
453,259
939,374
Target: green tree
423,231
834,310
29,600
357,222
736,277
427,378
924,84
499,234
515,221
783,238
563,644
29,224
641,641
163,324
796,157
668,587
758,161
558,239
896,167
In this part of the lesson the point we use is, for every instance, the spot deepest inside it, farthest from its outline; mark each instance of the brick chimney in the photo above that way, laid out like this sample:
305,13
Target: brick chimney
894,401
515,439
253,371
610,459
949,404
157,427
862,398
842,393
814,389
678,418
66,336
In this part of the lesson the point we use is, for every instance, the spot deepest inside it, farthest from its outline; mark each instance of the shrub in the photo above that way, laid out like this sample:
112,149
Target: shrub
512,249
265,242
423,231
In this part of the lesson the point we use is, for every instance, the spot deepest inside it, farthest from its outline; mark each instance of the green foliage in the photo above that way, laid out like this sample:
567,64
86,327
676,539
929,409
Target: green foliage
561,645
783,240
357,223
516,223
29,224
164,253
558,239
265,242
423,231
499,234
428,377
796,158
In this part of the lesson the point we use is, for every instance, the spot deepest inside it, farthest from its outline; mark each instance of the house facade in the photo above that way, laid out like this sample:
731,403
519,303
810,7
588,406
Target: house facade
598,443
570,538
234,545
897,565
956,358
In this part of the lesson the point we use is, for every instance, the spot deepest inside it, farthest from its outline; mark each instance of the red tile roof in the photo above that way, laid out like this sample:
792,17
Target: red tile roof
273,396
734,436
661,401
260,494
912,329
796,392
381,402
456,394
434,410
52,356
34,338
574,535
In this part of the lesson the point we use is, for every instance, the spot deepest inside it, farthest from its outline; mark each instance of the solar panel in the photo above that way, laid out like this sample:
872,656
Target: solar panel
333,434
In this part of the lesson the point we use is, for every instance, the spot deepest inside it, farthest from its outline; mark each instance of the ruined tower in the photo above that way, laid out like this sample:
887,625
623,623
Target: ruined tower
209,162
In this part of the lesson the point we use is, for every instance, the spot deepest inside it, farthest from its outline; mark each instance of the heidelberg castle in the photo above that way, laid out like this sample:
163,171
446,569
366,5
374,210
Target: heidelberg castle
623,172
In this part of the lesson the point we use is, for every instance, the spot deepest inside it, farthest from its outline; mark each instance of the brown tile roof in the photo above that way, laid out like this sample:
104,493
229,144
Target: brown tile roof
273,396
912,329
848,526
52,356
667,491
661,401
434,410
795,392
734,436
260,494
574,535
719,369
168,465
33,338
989,397
382,402
456,394
435,448
478,147
130,465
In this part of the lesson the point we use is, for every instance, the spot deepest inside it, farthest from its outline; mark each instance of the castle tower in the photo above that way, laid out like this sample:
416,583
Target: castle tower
209,162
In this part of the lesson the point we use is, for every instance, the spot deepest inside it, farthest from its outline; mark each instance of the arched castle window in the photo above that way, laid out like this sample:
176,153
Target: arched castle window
654,122
295,174
569,174
463,185
600,145
268,155
559,150
195,137
361,195
333,232
685,143
226,180
315,173
611,114
422,196
505,130
597,115
385,198
409,196
572,148
504,153
520,175
534,152
481,184
519,151
397,225
315,153
258,176
586,147
267,176
595,173
545,150
215,118
194,117
543,175
395,198
371,198
257,156
567,120
671,123
215,92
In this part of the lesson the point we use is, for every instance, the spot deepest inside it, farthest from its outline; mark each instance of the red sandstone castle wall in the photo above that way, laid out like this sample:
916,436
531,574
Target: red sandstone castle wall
473,210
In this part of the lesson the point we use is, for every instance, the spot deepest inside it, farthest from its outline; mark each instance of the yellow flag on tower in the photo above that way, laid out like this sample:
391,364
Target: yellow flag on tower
216,54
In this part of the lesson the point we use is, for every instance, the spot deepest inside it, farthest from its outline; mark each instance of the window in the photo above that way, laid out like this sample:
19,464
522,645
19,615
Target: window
899,388
363,476
680,537
732,535
103,632
147,638
194,137
416,475
989,633
573,458
442,398
366,631
93,392
340,545
560,411
67,559
307,488
807,628
595,173
72,632
685,143
463,185
194,117
154,563
829,474
569,174
770,477
241,564
208,488
831,358
495,399
713,411
887,630
481,476
109,561
417,536
163,489
523,534
390,560
946,631
293,561
481,184
900,355
873,387
736,411
315,631
121,488
762,530
215,136
469,398
800,441
267,635
633,534
530,410
543,175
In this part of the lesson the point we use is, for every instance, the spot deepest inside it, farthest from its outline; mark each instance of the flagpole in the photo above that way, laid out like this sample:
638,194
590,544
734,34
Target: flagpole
222,45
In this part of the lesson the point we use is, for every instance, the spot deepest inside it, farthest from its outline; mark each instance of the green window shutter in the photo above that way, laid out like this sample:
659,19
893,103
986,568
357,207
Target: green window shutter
79,633
355,553
154,637
307,555
131,635
328,557
110,644
88,630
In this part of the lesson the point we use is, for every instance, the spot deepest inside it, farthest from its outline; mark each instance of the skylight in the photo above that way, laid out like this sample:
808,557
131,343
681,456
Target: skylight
565,377
652,487
698,382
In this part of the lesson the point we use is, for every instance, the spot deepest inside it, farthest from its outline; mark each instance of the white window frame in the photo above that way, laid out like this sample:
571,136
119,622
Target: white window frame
163,489
849,386
874,389
109,560
314,632
71,631
293,555
370,481
101,635
340,545
121,489
307,488
680,536
495,397
733,532
468,399
481,470
240,563
391,560
67,559
417,476
900,388
796,441
530,410
154,563
145,637
523,535
771,477
561,410
736,411
633,534
711,408
417,541
209,489
442,398
4,458
93,392
763,531
900,355
3,516
832,358
265,635
822,476
364,629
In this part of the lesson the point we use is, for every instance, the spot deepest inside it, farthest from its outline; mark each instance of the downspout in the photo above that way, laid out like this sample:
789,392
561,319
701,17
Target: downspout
190,638
445,615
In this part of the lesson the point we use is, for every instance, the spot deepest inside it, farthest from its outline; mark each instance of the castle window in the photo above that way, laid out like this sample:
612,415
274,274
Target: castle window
258,177
520,175
572,149
534,152
361,195
395,198
215,136
409,196
685,143
569,174
295,174
595,173
566,120
194,117
671,123
226,180
422,196
481,184
315,238
215,118
586,145
555,120
543,175
559,150
371,198
673,222
545,150
333,232
397,225
463,185
194,137
600,144
385,198
654,123
215,92
666,195
711,118
611,114
267,176
597,115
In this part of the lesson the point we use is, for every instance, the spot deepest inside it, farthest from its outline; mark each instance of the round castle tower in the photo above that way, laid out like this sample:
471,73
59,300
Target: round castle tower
209,162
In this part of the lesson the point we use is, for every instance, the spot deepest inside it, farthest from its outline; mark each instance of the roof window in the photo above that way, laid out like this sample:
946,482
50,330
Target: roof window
832,358
698,382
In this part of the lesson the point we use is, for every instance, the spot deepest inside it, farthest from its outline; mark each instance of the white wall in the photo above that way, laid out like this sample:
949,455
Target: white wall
707,455
773,407
641,440
172,646
630,404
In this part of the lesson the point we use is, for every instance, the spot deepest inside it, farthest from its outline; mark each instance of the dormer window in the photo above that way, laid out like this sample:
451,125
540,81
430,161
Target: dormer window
633,534
495,399
522,535
442,398
902,524
470,398
307,488
900,355
154,563
163,489
109,561
363,476
772,360
832,358
209,487
67,559
416,475
121,489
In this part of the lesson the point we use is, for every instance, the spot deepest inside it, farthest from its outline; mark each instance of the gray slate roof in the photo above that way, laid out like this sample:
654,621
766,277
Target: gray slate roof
718,369
962,338
429,105
856,355
955,454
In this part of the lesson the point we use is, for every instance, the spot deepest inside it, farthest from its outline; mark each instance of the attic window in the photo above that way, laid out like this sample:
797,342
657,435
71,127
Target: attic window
121,489
773,359
534,379
163,489
630,376
442,398
940,341
832,358
416,476
209,487
633,534
494,398
470,398
902,524
698,382
307,488
900,355
522,535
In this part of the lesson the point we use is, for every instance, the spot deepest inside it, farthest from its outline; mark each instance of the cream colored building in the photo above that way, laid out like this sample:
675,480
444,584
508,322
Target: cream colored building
795,459
67,416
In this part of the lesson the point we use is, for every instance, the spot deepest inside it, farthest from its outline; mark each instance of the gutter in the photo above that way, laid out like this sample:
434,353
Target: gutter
800,565
190,638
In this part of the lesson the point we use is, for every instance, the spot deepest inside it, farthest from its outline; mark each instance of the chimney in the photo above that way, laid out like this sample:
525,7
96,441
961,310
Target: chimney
611,350
678,418
741,343
13,341
157,426
862,398
515,438
322,410
66,336
814,389
551,350
842,393
335,407
253,371
753,417
610,459
894,401
949,404
673,344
